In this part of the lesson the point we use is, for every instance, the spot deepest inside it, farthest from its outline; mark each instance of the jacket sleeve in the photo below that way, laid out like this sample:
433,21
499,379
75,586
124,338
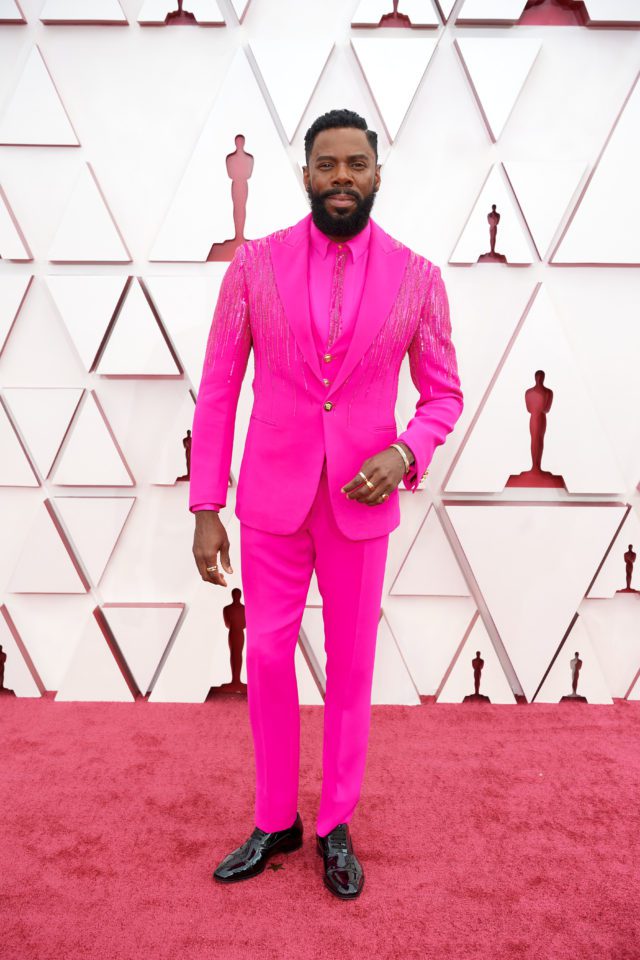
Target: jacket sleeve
434,371
225,363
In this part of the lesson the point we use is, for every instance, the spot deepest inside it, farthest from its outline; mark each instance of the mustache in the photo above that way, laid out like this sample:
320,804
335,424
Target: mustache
334,193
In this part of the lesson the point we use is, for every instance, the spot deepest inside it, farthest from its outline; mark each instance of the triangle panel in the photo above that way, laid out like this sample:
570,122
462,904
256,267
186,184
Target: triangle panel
544,189
13,292
497,70
512,239
240,8
476,665
91,456
308,693
393,69
35,114
142,632
603,227
136,346
491,11
392,682
87,305
10,12
13,244
428,633
430,567
613,628
613,13
185,306
445,8
43,415
634,692
534,577
20,675
99,12
93,525
170,464
49,626
93,673
198,657
612,575
45,563
576,663
305,59
15,468
576,446
87,232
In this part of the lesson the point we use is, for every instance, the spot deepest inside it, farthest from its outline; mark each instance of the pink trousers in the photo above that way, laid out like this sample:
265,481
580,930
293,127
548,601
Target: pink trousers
276,571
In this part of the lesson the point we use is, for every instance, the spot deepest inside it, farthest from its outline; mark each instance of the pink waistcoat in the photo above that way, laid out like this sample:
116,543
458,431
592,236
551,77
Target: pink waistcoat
297,420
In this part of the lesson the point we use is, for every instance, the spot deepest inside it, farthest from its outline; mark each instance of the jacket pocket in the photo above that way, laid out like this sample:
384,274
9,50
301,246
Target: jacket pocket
262,419
388,427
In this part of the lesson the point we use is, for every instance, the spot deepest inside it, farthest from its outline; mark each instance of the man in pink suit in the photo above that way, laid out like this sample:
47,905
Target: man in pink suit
330,306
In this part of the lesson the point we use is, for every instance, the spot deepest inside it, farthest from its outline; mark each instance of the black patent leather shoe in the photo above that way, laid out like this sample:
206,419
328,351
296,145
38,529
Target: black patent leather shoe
343,873
253,855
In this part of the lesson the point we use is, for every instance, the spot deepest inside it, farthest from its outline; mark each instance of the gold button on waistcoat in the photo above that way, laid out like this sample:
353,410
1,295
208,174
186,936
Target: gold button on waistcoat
328,405
327,357
326,382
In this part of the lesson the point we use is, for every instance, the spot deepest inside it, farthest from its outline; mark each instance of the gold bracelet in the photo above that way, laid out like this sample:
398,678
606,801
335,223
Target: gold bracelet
404,456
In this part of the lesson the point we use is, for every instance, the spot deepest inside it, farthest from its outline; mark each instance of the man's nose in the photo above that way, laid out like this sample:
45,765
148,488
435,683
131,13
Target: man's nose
342,175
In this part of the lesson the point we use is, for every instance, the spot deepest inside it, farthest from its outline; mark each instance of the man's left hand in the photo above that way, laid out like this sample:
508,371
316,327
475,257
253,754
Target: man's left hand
385,471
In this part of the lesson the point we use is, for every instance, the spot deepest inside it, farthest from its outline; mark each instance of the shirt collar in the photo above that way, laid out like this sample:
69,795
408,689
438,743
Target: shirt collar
357,245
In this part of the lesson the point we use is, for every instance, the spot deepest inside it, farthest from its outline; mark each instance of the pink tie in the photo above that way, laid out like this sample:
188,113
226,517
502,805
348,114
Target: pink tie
335,303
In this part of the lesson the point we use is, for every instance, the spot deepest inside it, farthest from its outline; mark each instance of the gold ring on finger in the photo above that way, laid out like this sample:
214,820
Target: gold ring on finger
366,479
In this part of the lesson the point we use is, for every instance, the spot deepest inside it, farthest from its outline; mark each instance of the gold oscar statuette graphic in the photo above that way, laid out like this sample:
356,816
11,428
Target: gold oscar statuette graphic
179,17
492,257
629,560
186,443
576,665
477,663
538,400
235,621
239,169
4,692
557,13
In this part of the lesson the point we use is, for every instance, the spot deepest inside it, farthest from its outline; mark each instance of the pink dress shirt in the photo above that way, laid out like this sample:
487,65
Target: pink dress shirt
322,259
321,263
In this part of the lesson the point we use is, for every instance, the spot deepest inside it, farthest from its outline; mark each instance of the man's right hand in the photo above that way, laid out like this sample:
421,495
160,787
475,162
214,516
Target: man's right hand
210,538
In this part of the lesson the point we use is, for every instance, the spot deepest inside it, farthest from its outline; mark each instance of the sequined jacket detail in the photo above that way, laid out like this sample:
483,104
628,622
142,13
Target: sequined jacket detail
297,419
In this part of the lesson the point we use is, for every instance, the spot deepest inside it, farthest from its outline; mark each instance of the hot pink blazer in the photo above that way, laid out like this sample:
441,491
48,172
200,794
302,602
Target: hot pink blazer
264,303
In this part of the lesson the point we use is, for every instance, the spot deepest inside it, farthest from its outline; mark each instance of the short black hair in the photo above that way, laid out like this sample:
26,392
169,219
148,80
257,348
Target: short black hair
338,118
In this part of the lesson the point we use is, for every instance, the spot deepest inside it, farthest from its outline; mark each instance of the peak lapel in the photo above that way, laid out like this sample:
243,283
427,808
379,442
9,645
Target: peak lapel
385,268
289,256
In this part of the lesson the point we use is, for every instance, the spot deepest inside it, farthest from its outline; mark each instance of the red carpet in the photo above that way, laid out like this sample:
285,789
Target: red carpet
486,832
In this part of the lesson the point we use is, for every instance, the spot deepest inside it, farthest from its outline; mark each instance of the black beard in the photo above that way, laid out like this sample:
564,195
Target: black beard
340,224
